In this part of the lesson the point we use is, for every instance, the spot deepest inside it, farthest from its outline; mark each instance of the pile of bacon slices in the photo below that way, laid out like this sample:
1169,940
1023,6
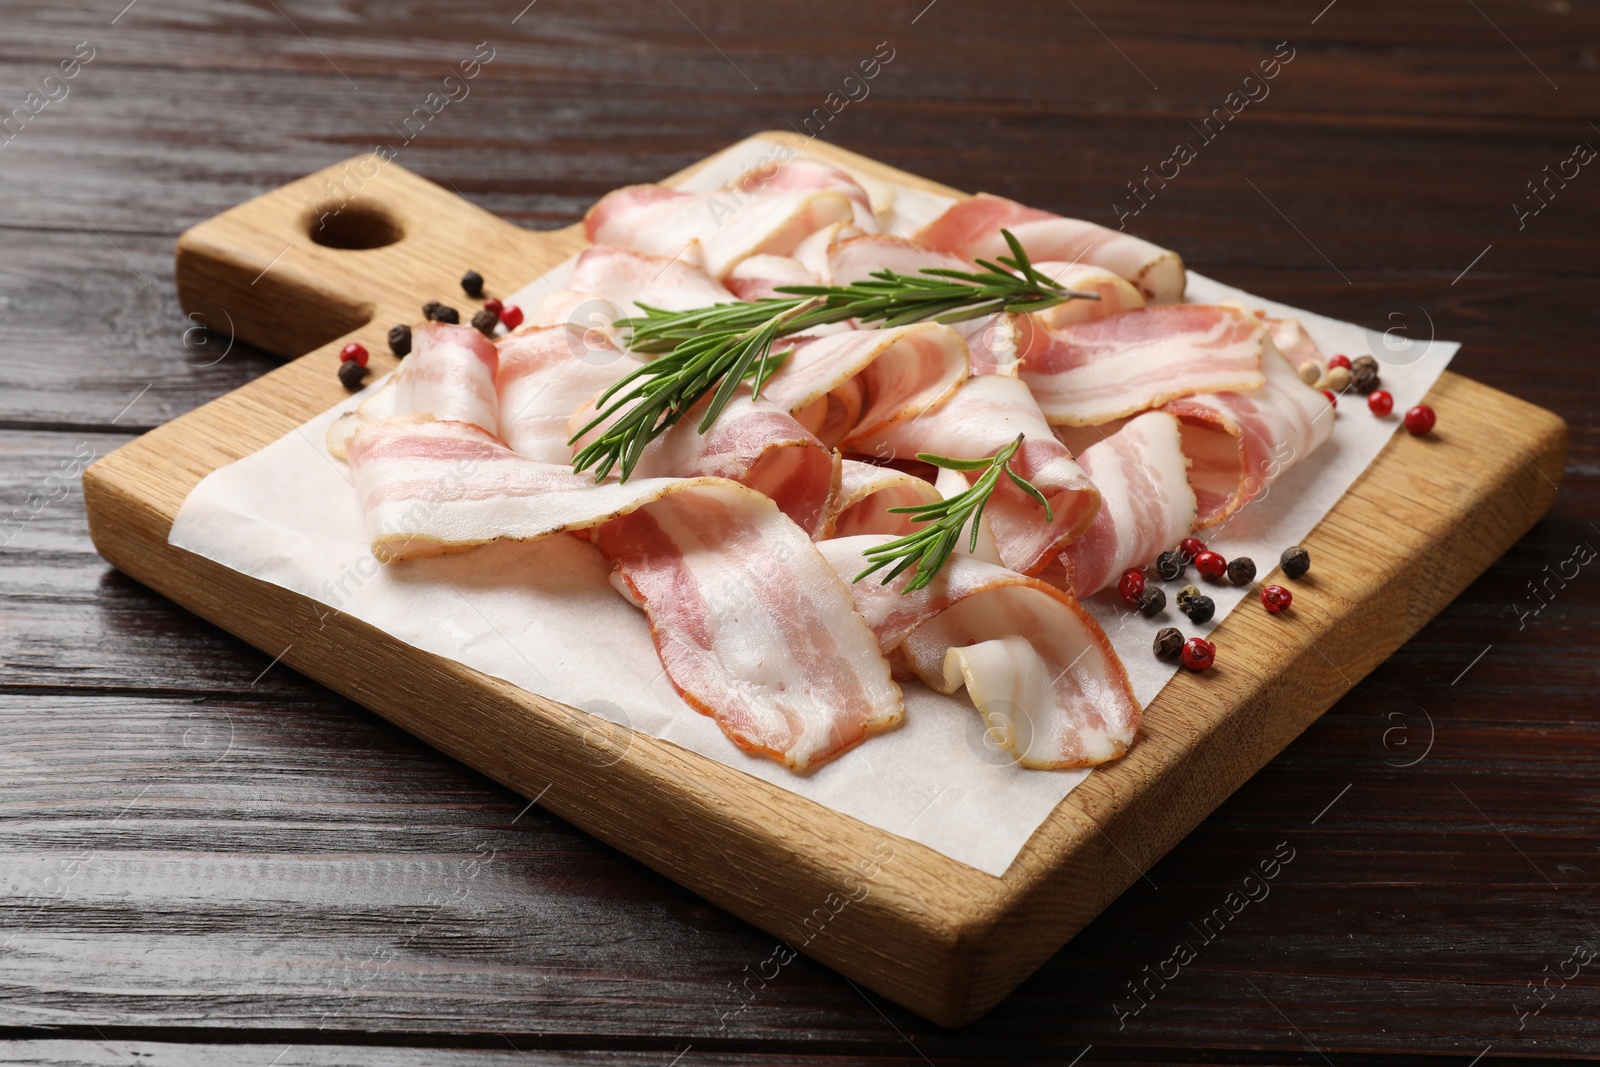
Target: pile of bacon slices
740,544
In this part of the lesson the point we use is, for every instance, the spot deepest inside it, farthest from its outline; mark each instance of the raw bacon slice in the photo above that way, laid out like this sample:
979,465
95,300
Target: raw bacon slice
759,277
983,416
1094,372
1115,292
609,283
430,487
806,174
867,492
1293,341
971,229
753,626
902,372
449,375
544,374
753,442
1146,503
663,222
1271,428
1038,668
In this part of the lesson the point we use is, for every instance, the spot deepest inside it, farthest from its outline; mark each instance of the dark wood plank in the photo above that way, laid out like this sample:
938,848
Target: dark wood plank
239,897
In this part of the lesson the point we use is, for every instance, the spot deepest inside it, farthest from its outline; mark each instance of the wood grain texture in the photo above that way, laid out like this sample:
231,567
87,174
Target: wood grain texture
945,940
1418,924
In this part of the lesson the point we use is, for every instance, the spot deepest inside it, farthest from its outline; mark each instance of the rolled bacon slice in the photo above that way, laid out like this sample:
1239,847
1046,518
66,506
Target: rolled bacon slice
1116,294
754,627
867,492
1146,502
971,229
449,375
1240,441
802,174
609,283
901,373
664,222
545,373
1037,667
1093,372
983,416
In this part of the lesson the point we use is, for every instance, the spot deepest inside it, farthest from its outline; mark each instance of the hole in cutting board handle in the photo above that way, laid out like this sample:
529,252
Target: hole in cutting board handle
353,226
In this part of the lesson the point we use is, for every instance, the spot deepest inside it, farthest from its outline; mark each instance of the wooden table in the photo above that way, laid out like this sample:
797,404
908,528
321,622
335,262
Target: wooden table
204,858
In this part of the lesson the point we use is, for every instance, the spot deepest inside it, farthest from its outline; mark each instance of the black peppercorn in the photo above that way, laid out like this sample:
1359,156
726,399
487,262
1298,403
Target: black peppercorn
1295,561
486,321
400,339
429,308
1168,643
472,283
1169,565
351,375
1200,609
1152,601
1241,570
1186,595
1363,379
1363,361
442,313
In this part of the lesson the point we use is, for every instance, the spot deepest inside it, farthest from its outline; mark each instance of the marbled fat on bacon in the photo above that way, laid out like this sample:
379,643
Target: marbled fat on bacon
902,372
1037,667
449,375
754,628
803,174
867,492
664,222
971,229
1271,429
1097,371
610,283
1146,502
430,487
983,416
545,373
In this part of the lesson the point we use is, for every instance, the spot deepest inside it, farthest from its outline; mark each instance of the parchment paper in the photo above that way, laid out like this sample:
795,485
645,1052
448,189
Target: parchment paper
543,616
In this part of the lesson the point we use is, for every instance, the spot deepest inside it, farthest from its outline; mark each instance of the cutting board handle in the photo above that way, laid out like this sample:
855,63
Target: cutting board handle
347,252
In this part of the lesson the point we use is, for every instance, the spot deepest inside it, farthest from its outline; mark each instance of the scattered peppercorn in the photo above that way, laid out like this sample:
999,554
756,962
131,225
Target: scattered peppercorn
1364,361
1364,379
400,339
442,313
493,304
1331,398
1152,602
1200,609
1241,570
429,308
486,321
1168,643
1191,547
1186,597
351,375
1420,419
1338,379
1198,654
1170,565
1380,402
353,353
1310,372
1295,562
1130,586
1276,598
1339,361
511,315
472,283
1211,564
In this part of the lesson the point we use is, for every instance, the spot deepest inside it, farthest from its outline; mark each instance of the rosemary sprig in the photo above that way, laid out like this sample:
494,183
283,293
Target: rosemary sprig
717,347
931,546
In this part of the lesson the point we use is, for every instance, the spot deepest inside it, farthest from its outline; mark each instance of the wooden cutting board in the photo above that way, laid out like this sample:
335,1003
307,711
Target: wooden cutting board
345,253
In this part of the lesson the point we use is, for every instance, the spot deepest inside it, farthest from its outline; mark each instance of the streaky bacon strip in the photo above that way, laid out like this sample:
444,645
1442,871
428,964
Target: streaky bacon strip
609,283
430,487
1040,671
1146,503
449,375
759,277
971,229
753,626
902,372
664,222
1116,294
867,492
545,373
983,416
805,174
1271,429
1094,372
